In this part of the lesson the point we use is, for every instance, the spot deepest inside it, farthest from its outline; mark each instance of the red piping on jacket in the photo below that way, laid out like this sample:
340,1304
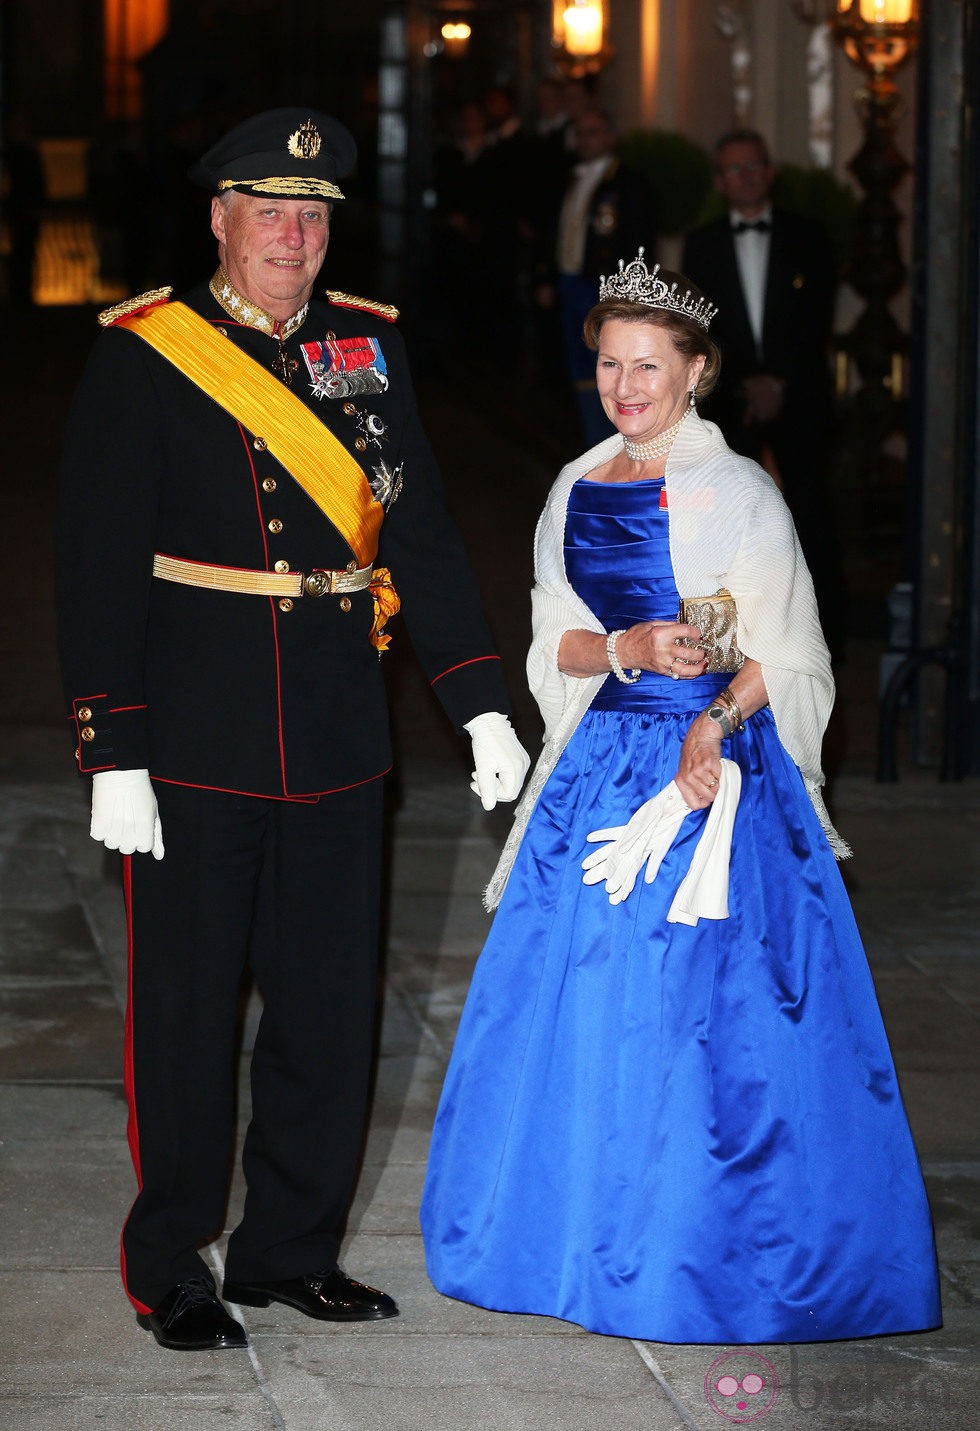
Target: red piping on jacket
132,1123
473,662
295,799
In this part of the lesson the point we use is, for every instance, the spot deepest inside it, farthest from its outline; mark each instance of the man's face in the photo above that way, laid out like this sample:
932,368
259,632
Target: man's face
744,177
272,249
593,137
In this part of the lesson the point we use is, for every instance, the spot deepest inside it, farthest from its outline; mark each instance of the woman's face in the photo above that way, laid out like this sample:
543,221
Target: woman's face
643,380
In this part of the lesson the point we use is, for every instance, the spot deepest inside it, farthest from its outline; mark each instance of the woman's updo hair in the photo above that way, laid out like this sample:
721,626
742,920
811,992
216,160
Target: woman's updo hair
689,338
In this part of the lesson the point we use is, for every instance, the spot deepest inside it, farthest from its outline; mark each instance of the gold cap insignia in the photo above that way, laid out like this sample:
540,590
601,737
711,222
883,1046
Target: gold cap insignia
304,142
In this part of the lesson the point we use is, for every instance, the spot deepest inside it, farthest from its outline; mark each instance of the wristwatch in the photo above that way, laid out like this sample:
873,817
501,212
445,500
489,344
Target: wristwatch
721,718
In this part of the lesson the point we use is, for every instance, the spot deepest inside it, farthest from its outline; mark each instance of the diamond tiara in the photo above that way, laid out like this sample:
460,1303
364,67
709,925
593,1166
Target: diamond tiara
635,283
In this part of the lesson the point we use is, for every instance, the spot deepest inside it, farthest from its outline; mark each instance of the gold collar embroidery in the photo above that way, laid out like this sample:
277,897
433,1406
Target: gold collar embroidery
238,307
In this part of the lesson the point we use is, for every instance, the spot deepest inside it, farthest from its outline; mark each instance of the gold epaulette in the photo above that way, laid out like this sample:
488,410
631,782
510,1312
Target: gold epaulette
350,300
128,306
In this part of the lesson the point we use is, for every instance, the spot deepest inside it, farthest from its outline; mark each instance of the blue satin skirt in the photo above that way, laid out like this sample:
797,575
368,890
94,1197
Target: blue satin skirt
670,1133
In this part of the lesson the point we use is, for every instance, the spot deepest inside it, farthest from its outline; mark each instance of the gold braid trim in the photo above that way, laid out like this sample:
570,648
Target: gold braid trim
237,306
350,300
303,188
108,316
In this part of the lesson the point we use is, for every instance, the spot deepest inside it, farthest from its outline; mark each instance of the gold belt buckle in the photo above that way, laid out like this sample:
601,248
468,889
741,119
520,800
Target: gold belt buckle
318,583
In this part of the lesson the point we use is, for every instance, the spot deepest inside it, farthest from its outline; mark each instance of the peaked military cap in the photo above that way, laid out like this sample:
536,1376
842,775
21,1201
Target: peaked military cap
285,153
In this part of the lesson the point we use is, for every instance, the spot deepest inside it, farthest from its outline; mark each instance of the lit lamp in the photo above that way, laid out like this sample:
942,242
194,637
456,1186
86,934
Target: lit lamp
583,28
878,36
578,30
129,29
456,37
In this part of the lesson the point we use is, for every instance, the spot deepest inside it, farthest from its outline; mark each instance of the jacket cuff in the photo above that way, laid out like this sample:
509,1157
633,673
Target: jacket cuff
469,689
108,737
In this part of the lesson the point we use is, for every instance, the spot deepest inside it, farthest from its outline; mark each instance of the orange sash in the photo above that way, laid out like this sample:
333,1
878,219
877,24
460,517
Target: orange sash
309,451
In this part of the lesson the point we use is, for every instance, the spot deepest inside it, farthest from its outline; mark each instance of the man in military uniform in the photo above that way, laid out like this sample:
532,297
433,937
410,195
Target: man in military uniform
237,465
605,211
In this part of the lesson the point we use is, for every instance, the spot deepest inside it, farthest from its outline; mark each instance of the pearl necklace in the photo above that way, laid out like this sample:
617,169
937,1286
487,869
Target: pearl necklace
658,446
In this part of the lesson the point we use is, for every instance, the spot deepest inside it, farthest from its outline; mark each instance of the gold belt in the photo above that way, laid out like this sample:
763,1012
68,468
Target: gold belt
260,583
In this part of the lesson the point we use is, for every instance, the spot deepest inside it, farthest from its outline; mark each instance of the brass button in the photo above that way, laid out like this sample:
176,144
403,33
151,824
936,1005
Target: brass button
345,603
286,603
360,443
269,484
282,566
87,733
84,713
349,409
259,443
331,336
222,331
275,526
351,568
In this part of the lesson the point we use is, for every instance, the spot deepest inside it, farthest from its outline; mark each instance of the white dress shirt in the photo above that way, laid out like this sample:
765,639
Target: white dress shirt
752,257
571,223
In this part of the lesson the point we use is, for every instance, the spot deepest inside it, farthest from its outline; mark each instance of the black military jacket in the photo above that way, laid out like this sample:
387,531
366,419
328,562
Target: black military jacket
620,219
235,691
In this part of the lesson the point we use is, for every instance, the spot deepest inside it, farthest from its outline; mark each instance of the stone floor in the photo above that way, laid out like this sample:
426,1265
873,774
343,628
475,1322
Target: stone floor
71,1354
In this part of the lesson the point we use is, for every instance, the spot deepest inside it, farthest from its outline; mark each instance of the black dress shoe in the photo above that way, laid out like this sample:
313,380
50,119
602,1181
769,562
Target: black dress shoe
327,1296
190,1318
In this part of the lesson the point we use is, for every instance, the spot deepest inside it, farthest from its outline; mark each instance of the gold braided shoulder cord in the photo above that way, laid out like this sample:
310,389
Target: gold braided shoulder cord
351,300
108,316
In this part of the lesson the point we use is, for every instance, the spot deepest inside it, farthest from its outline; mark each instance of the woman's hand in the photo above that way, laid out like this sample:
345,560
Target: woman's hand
668,647
699,768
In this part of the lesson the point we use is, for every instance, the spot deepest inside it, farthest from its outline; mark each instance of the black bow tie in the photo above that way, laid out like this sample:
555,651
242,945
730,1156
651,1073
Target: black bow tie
759,226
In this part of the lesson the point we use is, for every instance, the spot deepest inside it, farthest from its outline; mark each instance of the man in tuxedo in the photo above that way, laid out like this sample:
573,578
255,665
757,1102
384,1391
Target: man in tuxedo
772,274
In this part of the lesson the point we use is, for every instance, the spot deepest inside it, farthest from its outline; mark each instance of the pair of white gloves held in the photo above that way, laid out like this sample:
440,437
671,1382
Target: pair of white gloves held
124,807
649,834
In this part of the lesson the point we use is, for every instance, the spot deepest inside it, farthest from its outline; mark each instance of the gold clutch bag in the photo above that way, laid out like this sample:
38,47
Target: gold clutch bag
717,620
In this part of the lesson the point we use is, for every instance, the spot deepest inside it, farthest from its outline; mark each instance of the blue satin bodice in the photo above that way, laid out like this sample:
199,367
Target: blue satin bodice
617,559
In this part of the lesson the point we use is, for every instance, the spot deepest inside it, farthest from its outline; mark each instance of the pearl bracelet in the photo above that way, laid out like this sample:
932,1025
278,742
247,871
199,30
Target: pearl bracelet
614,663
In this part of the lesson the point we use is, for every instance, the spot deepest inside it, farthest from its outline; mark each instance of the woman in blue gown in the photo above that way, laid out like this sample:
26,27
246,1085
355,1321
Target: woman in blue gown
680,1132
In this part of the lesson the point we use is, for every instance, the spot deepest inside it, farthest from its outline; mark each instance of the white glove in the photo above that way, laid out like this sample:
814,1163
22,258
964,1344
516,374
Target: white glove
703,892
124,812
500,759
645,839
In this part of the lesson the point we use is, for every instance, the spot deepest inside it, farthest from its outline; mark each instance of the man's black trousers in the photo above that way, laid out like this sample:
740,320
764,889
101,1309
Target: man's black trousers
291,888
